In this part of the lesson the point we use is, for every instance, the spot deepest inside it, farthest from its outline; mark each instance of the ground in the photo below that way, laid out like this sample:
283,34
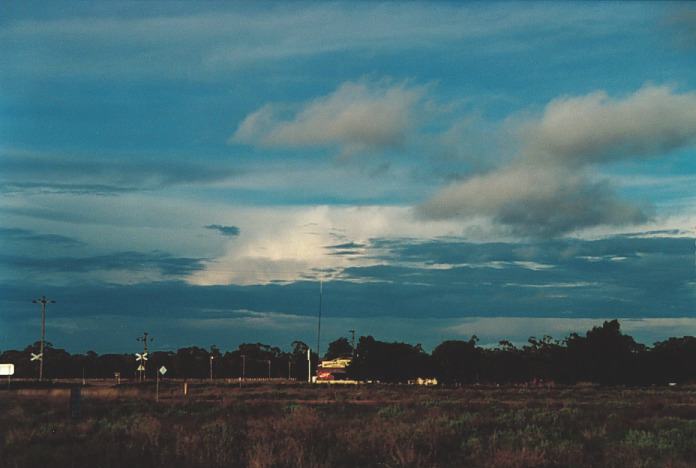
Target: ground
266,424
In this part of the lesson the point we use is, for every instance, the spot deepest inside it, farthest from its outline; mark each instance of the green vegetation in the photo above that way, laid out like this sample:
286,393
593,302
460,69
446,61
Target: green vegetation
289,425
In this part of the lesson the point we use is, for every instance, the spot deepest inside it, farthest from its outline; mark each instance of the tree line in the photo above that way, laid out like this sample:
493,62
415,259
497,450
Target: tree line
603,355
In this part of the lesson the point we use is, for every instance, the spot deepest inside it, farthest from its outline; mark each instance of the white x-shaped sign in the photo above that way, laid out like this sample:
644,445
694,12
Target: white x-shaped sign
37,357
141,357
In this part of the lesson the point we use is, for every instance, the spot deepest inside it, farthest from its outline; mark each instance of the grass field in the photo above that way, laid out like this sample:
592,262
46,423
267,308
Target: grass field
282,424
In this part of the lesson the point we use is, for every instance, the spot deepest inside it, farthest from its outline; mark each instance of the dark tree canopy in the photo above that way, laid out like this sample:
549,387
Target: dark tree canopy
602,355
389,362
339,348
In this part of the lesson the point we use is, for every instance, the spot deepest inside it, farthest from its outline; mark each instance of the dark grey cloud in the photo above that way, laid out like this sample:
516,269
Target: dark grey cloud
165,263
621,276
641,275
102,175
346,249
61,215
228,231
48,187
539,201
26,235
552,252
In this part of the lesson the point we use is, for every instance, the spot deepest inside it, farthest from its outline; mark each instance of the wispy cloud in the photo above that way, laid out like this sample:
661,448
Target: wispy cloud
27,235
106,174
163,262
204,40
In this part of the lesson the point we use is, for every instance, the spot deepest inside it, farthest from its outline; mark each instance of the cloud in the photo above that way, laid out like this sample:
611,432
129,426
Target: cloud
596,128
228,231
683,20
347,248
26,235
109,174
165,263
358,116
404,283
290,243
200,41
534,201
551,187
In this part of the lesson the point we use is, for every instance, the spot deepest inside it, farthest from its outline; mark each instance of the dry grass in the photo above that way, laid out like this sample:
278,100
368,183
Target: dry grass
275,425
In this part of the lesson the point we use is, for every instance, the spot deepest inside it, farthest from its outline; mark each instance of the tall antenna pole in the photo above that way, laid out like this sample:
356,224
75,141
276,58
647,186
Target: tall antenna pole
352,341
43,301
319,318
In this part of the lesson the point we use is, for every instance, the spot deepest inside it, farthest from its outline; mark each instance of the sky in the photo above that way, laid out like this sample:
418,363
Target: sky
443,169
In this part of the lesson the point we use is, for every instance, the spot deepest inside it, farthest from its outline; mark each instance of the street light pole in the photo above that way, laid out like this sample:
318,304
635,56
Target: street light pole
43,301
211,367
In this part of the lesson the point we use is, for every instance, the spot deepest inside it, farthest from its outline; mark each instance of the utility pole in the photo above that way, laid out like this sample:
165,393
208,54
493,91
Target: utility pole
319,318
269,368
142,358
211,367
241,378
289,369
352,341
43,301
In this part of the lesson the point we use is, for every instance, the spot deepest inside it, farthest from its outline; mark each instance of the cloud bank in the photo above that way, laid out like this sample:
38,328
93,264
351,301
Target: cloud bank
551,188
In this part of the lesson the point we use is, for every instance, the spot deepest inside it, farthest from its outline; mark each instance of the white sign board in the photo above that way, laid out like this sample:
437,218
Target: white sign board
6,369
163,370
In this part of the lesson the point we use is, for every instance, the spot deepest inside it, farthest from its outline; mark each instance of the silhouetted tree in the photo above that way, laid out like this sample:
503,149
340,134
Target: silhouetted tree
457,361
605,355
389,362
299,360
673,360
339,348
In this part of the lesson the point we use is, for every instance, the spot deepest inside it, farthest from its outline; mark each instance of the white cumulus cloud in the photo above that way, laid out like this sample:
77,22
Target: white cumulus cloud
596,128
358,116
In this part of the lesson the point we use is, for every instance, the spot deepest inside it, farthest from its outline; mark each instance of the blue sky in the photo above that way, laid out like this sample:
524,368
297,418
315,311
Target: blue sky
446,169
